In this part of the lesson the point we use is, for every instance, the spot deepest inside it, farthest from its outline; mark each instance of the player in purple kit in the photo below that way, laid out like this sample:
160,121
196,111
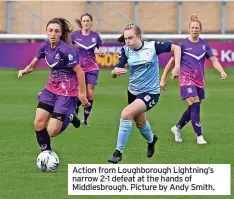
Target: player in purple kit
85,41
194,51
57,101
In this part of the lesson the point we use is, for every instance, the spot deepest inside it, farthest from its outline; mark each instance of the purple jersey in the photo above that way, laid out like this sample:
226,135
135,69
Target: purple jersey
85,45
61,60
192,62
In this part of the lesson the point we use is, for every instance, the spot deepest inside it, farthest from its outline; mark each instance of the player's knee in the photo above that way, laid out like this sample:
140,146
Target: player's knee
126,115
192,100
140,123
53,132
39,125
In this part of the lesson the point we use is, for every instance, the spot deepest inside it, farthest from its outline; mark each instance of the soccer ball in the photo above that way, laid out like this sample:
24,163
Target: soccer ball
47,161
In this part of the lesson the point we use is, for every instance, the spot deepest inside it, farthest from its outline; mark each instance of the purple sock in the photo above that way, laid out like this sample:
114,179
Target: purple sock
184,119
66,122
87,110
78,102
195,118
43,139
77,106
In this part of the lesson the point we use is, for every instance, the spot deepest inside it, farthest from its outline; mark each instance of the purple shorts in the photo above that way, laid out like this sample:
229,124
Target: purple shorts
62,104
91,77
192,91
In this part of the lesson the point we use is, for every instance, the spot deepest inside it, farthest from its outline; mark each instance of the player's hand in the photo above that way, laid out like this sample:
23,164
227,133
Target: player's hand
101,52
119,71
21,73
84,101
163,84
175,73
223,75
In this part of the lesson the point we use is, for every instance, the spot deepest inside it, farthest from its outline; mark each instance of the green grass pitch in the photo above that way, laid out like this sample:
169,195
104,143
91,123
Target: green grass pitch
19,177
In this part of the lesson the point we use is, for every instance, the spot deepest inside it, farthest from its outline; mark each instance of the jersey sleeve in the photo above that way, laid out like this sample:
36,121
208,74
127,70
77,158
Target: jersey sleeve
41,51
70,58
162,47
209,52
122,59
99,41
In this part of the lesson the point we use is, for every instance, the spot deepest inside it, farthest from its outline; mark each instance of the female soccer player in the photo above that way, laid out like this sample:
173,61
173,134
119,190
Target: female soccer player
57,101
144,88
86,41
194,51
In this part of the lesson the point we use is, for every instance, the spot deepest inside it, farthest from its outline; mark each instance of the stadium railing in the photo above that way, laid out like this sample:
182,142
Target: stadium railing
32,37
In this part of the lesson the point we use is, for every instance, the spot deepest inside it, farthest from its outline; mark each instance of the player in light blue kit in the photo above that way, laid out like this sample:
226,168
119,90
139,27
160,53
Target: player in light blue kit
144,89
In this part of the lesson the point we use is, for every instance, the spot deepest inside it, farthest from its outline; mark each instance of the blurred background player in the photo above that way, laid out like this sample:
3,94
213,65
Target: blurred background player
57,102
143,89
194,51
86,41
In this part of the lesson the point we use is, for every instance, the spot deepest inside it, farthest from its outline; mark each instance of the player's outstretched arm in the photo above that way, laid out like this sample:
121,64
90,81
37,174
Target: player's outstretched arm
82,85
177,55
119,68
166,70
218,67
31,67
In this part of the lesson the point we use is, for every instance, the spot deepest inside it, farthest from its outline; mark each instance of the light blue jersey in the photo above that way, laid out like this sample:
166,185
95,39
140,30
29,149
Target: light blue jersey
143,66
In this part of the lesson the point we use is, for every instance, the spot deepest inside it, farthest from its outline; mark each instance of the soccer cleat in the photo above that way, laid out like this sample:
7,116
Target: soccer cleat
75,120
200,140
151,147
116,157
85,123
177,133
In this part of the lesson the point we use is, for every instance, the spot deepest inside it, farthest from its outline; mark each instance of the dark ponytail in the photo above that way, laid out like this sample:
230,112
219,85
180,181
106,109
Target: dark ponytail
78,22
121,39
